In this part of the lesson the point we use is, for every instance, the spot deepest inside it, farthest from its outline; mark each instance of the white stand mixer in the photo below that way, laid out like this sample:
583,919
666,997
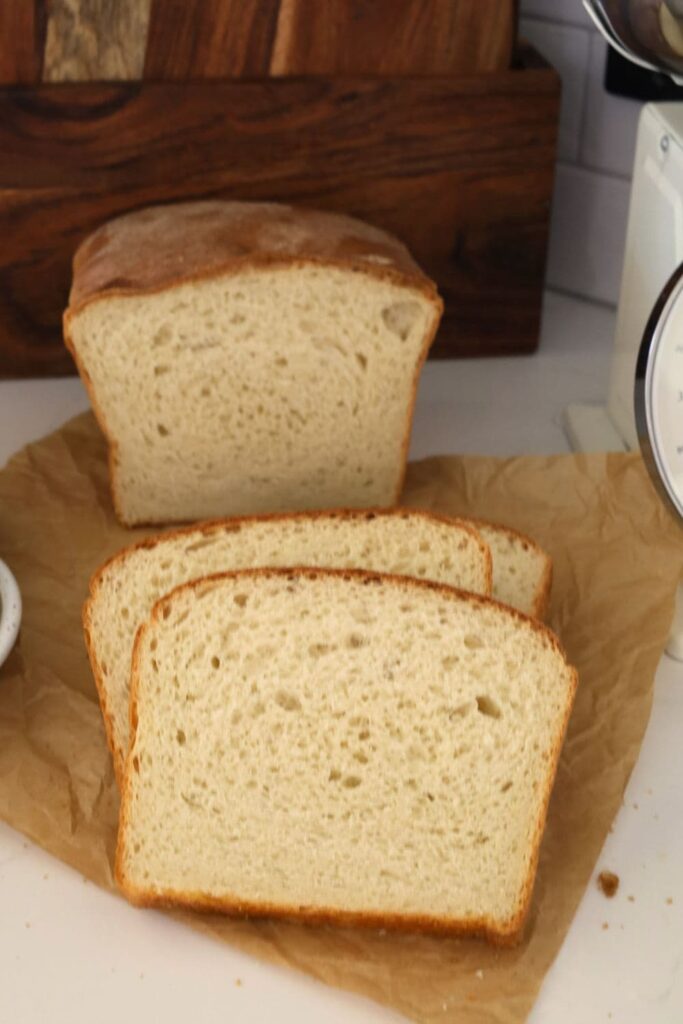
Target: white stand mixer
645,400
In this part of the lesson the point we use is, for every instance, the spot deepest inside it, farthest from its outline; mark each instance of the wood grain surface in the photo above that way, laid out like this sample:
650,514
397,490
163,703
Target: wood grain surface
394,37
210,38
461,170
170,40
22,41
100,40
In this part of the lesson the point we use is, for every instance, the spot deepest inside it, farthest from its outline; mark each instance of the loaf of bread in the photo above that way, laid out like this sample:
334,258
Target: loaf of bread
249,357
343,747
124,590
522,571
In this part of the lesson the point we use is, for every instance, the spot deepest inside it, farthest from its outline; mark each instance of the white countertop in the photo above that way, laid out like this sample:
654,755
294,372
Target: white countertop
101,960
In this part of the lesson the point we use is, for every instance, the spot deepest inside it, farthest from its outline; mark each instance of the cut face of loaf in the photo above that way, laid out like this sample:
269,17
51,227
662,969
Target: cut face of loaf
341,747
284,381
123,592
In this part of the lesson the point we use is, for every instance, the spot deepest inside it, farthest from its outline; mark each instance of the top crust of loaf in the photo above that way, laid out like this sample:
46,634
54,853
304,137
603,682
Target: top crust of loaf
161,246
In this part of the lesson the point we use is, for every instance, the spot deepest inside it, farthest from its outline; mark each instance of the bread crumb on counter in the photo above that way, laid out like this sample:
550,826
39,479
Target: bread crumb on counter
608,883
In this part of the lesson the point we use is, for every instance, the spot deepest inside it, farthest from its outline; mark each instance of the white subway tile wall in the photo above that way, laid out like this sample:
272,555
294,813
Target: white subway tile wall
587,233
568,50
596,146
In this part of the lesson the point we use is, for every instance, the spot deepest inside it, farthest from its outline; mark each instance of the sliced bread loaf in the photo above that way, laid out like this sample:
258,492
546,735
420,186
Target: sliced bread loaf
249,357
522,571
124,590
344,747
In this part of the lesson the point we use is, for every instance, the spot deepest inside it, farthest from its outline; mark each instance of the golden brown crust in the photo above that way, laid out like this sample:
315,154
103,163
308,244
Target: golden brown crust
480,928
98,676
230,525
504,933
161,247
542,595
542,602
553,761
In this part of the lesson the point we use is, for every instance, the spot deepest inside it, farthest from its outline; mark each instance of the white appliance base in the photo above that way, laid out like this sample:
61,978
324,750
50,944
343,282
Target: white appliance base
590,428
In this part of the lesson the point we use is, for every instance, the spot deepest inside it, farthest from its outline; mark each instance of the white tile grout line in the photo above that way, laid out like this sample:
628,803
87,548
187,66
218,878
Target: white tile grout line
588,300
591,169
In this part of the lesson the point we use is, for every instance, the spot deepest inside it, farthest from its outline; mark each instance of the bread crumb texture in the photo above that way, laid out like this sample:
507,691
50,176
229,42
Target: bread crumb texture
402,542
261,390
308,741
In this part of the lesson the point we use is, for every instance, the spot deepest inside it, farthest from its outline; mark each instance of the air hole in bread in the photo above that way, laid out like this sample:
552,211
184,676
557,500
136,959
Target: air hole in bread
163,335
473,642
487,706
362,360
505,787
317,650
180,738
399,318
240,600
287,701
199,545
215,661
159,371
162,431
351,782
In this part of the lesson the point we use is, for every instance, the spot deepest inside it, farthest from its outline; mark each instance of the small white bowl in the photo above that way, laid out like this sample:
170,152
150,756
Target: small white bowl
10,611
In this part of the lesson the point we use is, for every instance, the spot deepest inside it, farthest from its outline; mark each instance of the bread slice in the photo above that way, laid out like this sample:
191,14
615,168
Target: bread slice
249,357
344,747
124,590
522,571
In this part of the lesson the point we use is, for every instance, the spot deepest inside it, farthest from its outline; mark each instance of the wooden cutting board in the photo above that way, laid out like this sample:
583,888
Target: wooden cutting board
96,40
460,166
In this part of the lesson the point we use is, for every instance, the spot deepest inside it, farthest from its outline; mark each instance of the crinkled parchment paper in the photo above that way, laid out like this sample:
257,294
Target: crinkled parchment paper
617,560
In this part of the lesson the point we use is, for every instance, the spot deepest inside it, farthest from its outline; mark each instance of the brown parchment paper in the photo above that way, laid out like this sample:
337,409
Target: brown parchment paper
617,558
